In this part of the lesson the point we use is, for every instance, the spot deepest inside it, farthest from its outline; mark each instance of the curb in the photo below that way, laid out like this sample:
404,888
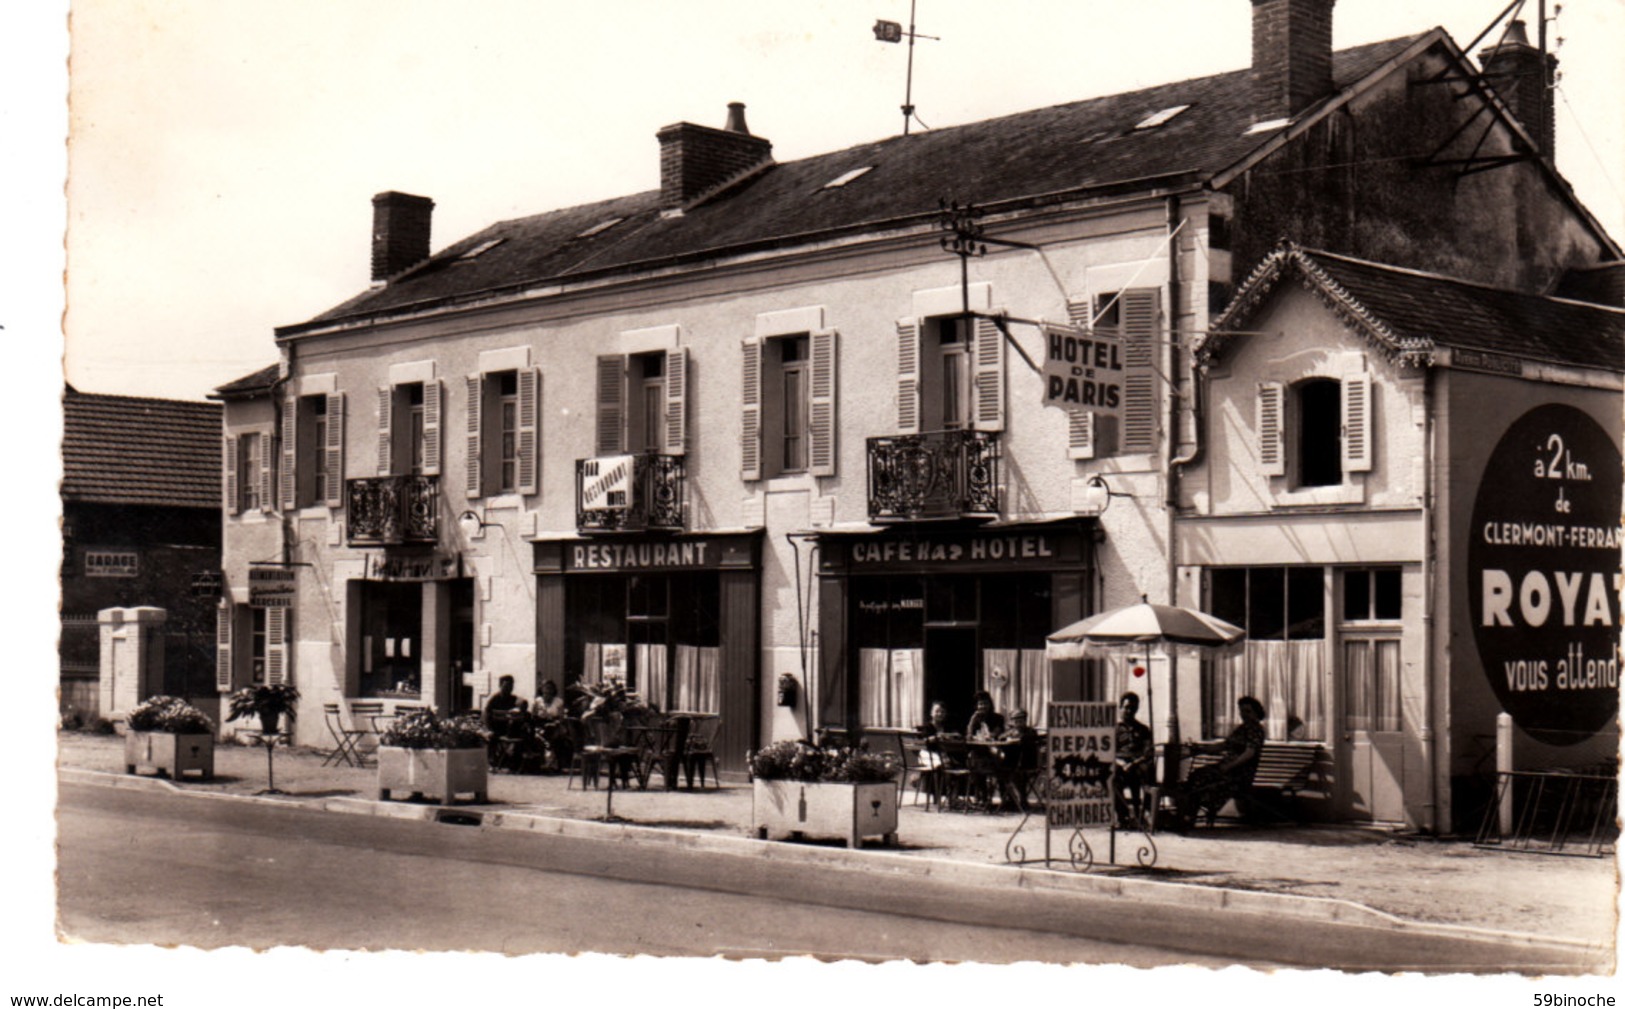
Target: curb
867,860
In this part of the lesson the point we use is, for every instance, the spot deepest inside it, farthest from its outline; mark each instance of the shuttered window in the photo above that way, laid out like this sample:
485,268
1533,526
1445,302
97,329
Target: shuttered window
386,420
611,434
276,644
750,412
504,433
1081,425
289,492
1357,423
821,421
433,399
908,376
1141,324
313,451
223,647
1271,447
676,401
228,466
530,417
473,482
333,448
250,471
987,376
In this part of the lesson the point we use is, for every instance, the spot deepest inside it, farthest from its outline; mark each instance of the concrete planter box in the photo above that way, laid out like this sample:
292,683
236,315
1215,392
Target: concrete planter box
443,773
169,753
827,809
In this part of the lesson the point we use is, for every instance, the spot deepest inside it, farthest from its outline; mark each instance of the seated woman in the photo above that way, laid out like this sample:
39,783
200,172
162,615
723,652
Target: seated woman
985,723
1210,787
549,711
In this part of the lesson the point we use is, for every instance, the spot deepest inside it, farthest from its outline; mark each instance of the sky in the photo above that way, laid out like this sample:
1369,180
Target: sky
223,158
224,153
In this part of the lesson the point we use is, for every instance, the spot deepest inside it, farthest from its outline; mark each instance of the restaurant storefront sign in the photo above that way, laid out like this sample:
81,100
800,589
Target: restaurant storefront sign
1543,562
1082,744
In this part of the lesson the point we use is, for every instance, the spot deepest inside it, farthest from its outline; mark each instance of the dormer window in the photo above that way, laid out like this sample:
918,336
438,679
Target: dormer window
845,177
1156,119
601,226
483,247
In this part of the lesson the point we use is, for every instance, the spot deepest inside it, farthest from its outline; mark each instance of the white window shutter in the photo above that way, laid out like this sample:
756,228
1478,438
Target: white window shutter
433,399
222,647
228,482
386,443
1080,424
290,453
1140,310
530,414
1271,442
473,484
908,376
1357,423
677,401
276,644
988,376
267,470
333,493
750,410
821,422
611,404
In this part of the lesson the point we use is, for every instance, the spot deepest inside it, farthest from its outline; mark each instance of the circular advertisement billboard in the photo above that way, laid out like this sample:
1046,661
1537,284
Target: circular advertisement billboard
1543,574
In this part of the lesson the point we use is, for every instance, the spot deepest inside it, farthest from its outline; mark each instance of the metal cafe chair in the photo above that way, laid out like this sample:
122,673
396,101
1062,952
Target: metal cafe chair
701,751
347,737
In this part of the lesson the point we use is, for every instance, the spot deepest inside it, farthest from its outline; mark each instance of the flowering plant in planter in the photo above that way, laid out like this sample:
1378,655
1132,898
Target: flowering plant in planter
162,713
422,729
795,760
421,752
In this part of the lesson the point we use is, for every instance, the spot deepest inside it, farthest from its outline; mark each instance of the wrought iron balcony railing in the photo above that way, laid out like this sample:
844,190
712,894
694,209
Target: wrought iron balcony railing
629,493
935,475
392,510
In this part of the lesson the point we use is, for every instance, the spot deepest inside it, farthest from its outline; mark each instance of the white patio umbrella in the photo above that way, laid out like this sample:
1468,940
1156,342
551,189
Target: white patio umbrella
1141,629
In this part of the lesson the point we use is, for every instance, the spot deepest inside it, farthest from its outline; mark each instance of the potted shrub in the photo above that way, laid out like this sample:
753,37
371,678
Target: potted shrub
832,791
170,736
267,702
422,753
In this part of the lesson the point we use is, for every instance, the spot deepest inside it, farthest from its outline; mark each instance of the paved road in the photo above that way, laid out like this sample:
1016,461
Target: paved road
139,866
209,872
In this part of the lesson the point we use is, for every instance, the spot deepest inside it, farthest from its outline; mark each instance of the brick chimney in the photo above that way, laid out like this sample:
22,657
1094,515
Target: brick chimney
1292,56
1513,68
400,233
696,159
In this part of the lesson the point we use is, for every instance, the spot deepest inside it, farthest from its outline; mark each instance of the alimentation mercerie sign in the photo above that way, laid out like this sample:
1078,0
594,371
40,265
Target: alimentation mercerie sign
1543,577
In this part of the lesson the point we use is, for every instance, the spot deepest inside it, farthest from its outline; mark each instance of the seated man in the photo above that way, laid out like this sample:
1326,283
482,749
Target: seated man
1018,762
499,716
1136,760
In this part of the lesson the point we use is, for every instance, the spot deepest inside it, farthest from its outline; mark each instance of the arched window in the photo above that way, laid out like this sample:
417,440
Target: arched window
1320,432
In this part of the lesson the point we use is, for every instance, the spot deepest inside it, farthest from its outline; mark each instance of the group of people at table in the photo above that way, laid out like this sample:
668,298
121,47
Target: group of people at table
540,728
1006,753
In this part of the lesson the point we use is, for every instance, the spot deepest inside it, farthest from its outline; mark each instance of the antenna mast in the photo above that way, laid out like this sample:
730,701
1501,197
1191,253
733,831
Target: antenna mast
891,31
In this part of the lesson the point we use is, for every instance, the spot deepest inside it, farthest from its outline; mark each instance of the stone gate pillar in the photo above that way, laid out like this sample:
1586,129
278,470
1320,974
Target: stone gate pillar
132,657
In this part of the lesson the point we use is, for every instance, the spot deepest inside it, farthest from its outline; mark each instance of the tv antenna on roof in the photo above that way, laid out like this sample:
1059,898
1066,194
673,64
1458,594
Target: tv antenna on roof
891,31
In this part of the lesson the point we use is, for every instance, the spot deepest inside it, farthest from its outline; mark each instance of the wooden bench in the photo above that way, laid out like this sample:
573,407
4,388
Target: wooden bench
1286,770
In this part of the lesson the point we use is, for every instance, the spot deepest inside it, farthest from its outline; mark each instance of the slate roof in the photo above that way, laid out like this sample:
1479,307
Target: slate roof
1411,313
135,451
249,385
1013,160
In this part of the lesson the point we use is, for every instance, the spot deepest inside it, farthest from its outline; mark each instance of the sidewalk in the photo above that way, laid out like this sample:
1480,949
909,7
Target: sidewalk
1418,879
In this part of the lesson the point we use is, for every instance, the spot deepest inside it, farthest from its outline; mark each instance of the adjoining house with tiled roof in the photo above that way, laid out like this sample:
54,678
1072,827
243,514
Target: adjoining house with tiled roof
140,523
1447,454
761,443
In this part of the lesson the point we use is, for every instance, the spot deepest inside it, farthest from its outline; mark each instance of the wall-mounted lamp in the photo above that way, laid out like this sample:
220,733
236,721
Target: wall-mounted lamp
472,524
1097,495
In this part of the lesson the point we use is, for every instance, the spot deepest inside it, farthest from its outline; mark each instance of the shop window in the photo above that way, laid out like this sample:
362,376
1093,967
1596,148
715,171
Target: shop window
1283,662
313,451
950,374
1371,594
409,429
788,405
391,639
643,402
504,411
257,641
